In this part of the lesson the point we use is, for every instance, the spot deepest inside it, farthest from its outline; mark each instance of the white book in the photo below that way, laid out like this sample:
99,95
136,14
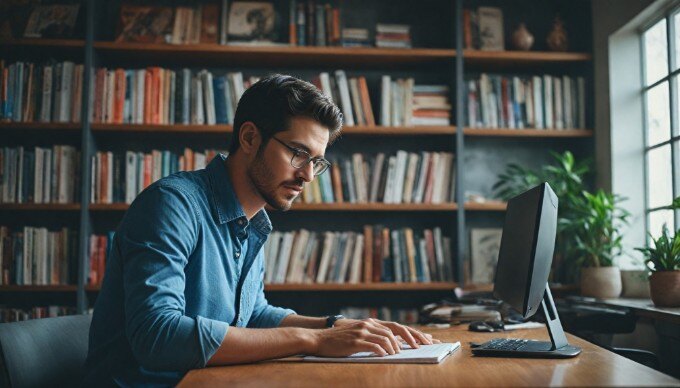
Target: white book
284,257
385,101
236,81
295,268
396,108
130,176
558,106
47,175
439,253
109,178
308,251
484,94
548,102
529,120
356,102
388,196
357,260
422,250
345,100
208,98
326,253
359,181
272,256
325,80
408,101
567,103
538,102
399,176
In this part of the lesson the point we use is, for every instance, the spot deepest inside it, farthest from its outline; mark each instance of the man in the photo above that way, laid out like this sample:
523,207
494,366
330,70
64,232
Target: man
184,281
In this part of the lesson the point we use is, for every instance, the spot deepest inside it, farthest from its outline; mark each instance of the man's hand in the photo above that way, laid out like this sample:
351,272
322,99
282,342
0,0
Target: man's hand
351,336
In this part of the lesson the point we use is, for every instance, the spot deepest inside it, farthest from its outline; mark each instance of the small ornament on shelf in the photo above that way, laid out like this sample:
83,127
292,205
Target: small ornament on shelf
522,39
557,38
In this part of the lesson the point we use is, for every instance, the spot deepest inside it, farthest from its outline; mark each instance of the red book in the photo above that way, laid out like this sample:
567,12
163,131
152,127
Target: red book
147,170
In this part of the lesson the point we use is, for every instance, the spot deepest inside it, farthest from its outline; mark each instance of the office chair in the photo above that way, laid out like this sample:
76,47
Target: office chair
598,325
43,352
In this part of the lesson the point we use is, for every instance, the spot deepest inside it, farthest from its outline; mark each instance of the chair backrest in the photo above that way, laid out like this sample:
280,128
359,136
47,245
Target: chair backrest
44,352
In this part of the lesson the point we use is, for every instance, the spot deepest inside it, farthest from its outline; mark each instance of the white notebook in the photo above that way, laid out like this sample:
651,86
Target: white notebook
426,354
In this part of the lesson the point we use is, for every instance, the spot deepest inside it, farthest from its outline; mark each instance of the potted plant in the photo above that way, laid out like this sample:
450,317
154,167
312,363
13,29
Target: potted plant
596,229
664,262
567,177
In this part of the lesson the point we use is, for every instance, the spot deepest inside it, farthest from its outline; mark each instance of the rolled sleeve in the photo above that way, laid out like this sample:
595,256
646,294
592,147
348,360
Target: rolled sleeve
157,239
264,314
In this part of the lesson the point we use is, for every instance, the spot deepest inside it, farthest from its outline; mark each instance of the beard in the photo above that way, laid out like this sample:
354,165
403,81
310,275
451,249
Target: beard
264,182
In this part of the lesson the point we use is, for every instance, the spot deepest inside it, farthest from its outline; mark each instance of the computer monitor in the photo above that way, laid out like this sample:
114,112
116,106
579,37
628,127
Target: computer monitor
524,261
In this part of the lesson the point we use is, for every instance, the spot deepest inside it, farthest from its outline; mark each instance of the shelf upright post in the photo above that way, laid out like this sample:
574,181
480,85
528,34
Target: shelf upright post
461,251
86,148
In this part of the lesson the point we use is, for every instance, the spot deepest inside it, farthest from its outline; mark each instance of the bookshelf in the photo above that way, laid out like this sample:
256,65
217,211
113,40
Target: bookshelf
436,59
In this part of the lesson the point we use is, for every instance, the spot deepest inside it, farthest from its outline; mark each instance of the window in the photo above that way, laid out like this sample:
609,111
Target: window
661,77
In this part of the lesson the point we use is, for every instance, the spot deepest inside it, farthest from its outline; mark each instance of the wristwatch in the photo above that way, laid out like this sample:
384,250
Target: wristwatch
330,321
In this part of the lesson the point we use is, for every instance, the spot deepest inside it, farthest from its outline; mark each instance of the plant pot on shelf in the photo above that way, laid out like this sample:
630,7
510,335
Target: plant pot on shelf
601,282
664,287
635,283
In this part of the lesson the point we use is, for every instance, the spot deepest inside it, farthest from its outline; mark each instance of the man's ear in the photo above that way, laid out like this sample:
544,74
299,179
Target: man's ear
249,138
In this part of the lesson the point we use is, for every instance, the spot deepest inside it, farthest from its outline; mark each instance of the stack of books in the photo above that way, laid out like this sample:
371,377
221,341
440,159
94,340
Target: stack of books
39,175
393,35
356,37
38,256
379,254
96,265
540,101
350,94
404,177
403,103
44,93
119,177
384,313
15,314
314,24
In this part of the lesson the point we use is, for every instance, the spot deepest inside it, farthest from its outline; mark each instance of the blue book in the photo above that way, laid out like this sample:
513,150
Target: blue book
219,84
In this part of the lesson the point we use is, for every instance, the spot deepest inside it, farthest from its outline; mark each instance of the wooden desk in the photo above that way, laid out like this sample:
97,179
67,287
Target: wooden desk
593,367
645,308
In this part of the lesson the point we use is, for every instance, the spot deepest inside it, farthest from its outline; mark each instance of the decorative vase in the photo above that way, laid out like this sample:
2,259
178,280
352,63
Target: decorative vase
557,38
522,38
664,287
601,282
635,284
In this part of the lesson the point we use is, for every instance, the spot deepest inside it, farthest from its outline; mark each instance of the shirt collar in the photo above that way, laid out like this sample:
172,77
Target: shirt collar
226,205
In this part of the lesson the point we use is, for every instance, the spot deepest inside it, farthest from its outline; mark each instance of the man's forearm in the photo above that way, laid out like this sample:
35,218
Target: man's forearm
294,320
242,345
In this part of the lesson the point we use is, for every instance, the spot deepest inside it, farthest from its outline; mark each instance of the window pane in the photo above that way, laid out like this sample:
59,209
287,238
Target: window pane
659,178
656,52
657,219
658,114
676,22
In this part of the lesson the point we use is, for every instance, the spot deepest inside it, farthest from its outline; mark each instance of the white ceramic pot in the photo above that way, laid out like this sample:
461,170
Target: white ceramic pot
601,282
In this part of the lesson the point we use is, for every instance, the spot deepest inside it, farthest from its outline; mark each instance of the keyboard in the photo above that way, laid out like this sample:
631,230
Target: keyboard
505,344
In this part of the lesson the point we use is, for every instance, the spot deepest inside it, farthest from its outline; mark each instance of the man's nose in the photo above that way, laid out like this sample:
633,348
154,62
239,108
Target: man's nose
306,172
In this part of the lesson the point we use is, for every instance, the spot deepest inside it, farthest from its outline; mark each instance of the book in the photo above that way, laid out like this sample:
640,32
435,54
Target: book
491,28
425,354
145,24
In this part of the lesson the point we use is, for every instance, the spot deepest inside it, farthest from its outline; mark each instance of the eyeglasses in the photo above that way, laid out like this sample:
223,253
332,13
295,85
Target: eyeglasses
301,158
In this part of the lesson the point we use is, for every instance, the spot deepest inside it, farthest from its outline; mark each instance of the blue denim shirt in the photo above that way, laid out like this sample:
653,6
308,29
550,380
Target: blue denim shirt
184,265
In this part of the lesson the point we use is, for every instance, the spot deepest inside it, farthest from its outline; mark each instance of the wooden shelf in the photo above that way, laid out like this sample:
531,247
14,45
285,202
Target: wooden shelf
71,127
435,286
40,206
281,55
486,206
522,58
373,207
43,43
211,129
61,288
109,206
538,133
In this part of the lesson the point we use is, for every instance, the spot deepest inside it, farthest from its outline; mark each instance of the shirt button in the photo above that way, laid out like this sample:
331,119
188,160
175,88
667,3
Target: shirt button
240,222
238,254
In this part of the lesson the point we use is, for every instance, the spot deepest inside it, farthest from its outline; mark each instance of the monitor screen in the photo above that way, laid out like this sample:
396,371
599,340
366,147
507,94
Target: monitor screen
526,250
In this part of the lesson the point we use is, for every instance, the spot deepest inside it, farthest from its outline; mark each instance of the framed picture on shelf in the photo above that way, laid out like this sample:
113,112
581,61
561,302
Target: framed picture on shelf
145,24
485,244
490,21
252,21
52,21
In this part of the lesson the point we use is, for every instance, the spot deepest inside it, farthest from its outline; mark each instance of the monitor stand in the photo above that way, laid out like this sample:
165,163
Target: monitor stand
558,347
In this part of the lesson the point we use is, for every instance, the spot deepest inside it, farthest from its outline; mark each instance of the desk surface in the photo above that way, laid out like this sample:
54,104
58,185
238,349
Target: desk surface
645,307
594,366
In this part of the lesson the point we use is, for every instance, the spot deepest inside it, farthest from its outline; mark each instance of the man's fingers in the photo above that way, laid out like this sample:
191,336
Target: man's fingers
403,332
382,341
387,333
365,346
420,337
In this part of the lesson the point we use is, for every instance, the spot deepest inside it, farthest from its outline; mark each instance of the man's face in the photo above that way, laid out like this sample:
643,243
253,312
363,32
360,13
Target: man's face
271,172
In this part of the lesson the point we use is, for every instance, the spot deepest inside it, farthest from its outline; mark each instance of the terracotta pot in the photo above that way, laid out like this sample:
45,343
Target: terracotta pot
601,282
664,287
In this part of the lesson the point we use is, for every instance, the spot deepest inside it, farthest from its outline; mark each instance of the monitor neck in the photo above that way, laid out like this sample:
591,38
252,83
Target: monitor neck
552,321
